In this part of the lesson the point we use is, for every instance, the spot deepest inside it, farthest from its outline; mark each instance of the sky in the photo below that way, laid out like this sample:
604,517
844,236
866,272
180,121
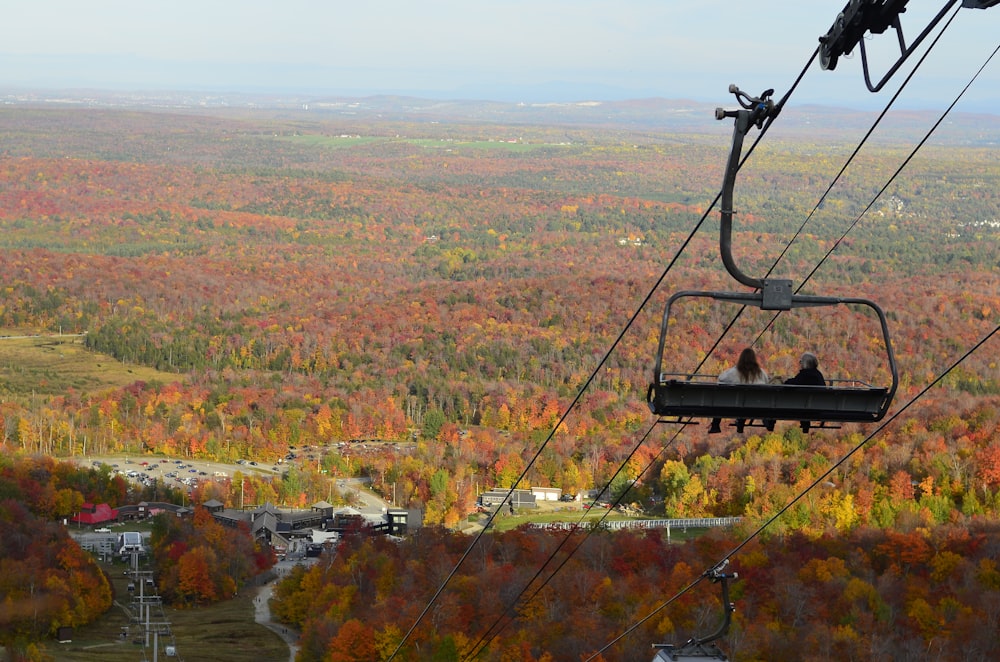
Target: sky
503,50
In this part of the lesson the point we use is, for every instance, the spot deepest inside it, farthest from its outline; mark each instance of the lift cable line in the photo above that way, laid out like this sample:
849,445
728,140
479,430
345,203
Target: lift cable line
895,174
680,251
850,159
714,571
583,389
496,628
894,416
909,158
765,123
631,321
774,110
819,203
708,573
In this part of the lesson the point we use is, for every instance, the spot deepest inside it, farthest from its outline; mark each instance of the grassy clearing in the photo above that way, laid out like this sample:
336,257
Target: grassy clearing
56,365
572,514
225,632
333,142
339,142
505,522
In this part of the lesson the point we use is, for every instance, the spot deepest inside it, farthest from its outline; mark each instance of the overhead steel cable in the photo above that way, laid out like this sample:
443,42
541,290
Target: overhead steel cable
861,143
496,628
829,188
476,647
800,495
602,362
555,428
874,199
895,174
907,160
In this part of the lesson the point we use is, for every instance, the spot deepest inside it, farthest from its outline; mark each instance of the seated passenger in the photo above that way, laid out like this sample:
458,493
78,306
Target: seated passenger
808,375
746,371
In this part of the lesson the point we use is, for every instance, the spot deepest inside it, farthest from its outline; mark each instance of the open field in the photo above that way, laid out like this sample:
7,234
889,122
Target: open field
548,512
59,364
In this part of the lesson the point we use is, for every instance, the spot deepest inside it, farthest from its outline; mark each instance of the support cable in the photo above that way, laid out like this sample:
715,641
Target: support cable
601,363
801,494
680,251
826,193
891,179
477,646
555,428
875,198
496,628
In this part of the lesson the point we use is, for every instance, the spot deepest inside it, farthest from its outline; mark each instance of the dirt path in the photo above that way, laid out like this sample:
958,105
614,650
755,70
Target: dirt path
262,614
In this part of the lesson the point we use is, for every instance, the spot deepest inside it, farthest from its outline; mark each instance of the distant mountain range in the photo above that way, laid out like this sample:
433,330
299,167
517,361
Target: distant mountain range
653,114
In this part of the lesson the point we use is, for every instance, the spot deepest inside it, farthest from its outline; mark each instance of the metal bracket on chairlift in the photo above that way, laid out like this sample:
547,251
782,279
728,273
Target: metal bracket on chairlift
865,16
776,294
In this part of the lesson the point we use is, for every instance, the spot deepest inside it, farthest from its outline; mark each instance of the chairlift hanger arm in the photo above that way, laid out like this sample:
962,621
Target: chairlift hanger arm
753,112
716,575
704,647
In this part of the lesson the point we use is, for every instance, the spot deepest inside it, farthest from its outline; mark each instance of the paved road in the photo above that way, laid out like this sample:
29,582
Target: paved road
262,609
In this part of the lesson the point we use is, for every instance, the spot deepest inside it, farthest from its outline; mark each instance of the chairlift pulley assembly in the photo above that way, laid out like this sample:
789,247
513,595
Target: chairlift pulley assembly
861,17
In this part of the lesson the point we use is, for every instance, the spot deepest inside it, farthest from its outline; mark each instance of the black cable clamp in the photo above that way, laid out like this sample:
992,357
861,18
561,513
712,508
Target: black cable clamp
760,108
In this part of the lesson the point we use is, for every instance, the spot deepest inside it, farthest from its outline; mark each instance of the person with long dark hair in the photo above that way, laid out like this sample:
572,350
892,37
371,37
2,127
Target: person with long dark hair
746,371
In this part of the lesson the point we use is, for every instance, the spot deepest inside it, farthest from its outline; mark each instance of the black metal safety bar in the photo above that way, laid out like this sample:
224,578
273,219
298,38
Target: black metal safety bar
691,396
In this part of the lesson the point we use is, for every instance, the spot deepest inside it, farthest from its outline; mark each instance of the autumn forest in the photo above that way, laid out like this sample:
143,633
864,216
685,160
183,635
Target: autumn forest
483,300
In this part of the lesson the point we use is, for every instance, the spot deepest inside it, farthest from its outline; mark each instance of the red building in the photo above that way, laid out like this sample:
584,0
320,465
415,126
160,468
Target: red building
95,514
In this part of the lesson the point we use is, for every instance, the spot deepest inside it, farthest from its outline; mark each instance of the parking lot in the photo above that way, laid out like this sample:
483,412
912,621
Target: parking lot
144,469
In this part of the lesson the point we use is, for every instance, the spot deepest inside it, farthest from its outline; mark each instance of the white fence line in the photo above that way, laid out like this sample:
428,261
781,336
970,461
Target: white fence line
683,523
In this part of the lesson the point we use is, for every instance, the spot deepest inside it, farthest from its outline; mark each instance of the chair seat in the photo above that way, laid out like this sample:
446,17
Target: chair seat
694,399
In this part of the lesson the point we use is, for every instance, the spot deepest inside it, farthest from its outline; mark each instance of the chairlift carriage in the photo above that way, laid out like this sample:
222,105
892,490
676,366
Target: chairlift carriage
681,397
704,648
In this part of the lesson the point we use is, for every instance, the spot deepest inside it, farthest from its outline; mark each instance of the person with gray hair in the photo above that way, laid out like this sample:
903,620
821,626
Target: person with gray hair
808,375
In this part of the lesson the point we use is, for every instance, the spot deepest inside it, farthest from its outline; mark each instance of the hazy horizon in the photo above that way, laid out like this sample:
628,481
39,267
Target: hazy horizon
510,51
